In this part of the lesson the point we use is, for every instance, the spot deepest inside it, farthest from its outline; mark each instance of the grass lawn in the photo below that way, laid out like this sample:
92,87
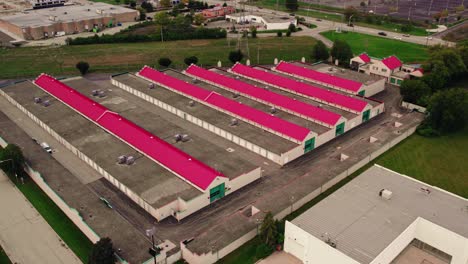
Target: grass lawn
31,61
3,257
64,227
437,161
380,47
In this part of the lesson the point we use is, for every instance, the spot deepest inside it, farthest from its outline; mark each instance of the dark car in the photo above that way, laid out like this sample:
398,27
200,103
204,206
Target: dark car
382,34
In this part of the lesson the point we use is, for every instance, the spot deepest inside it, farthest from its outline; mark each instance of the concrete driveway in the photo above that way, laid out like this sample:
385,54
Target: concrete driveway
280,257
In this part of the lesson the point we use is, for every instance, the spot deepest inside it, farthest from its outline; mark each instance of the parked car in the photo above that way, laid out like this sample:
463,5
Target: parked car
292,14
382,33
46,147
318,19
396,37
406,35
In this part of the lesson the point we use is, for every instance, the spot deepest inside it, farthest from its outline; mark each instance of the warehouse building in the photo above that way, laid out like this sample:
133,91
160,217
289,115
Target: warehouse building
166,177
382,217
64,20
331,77
267,21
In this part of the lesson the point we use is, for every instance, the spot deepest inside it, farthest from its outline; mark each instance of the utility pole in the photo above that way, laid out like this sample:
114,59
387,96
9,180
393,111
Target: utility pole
409,13
430,7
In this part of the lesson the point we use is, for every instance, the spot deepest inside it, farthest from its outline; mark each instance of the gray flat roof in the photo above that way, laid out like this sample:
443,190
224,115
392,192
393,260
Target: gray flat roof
346,114
270,18
364,224
317,128
264,139
152,182
67,13
341,72
157,121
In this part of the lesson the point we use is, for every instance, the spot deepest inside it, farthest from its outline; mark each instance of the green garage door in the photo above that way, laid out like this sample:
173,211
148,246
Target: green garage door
340,129
366,115
392,80
309,145
398,82
217,193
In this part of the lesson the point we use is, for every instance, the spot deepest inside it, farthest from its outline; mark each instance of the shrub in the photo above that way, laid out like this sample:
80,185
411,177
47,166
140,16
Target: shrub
165,62
292,28
191,60
235,56
279,34
288,33
83,67
263,250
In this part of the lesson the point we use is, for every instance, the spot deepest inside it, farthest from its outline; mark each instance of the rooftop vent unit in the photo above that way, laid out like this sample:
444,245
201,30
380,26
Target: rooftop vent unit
342,70
386,194
95,92
237,77
234,122
122,159
330,69
178,137
37,100
65,13
46,103
185,138
194,80
273,110
130,160
102,94
191,103
235,95
151,86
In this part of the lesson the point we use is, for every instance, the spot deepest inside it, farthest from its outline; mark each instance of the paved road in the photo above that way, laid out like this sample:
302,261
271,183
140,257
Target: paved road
24,234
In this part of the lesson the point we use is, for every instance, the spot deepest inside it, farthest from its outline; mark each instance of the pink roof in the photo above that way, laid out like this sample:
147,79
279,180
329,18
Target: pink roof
336,81
392,62
365,58
159,150
298,107
263,119
302,88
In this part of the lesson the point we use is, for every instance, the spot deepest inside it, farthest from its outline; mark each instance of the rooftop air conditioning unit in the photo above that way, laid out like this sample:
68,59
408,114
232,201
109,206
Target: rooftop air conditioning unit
194,80
46,103
273,110
178,137
185,138
234,122
102,94
37,100
151,86
386,194
330,69
191,103
95,92
235,95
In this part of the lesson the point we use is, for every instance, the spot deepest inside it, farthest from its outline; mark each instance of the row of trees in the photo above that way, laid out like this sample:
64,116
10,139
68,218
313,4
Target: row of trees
447,106
340,51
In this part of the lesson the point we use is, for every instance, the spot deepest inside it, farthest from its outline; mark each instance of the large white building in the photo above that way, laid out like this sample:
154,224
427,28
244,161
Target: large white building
382,217
269,22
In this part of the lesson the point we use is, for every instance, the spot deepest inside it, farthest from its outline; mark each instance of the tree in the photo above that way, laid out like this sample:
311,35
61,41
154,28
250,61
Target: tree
165,62
291,5
198,19
147,6
224,5
117,1
279,33
142,13
83,67
162,19
165,3
235,56
350,11
268,231
288,33
320,52
448,110
342,52
191,60
12,159
253,31
292,27
415,91
450,58
363,4
102,252
407,27
435,80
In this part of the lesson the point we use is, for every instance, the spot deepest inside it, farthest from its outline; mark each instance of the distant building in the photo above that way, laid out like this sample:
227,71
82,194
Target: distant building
269,22
218,11
46,3
382,217
70,19
391,68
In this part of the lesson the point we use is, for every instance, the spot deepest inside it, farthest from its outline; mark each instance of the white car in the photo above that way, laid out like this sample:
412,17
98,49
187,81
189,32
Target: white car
429,38
46,147
396,37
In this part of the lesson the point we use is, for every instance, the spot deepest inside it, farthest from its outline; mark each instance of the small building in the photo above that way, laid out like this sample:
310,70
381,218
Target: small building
391,68
64,20
46,3
268,21
218,11
382,217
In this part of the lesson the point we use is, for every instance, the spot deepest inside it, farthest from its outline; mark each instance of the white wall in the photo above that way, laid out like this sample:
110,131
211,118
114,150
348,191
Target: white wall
310,249
375,87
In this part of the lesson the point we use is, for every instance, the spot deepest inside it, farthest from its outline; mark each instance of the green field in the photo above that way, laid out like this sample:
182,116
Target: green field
64,227
381,47
31,61
437,161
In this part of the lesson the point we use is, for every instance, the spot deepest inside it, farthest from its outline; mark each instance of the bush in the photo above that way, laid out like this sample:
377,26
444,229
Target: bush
292,28
279,34
83,67
235,56
253,31
263,250
191,60
165,62
288,33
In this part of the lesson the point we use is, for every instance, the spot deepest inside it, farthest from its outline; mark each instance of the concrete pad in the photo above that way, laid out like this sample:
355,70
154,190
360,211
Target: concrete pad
280,257
24,235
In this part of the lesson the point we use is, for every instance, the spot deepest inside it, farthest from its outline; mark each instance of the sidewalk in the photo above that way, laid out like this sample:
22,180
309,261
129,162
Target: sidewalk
24,235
